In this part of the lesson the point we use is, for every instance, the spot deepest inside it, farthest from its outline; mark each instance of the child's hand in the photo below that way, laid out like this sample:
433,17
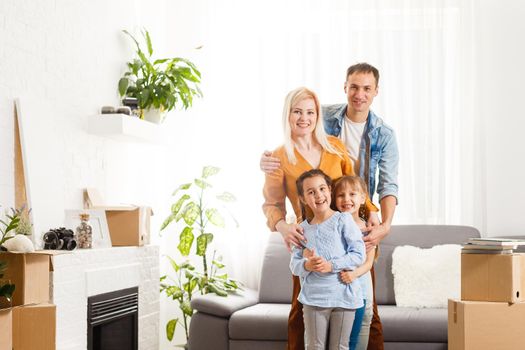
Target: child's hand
347,276
315,263
319,264
307,253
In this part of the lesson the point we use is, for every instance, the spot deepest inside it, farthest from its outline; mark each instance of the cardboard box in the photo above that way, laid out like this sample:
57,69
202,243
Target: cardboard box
29,272
6,330
483,325
34,327
129,225
493,277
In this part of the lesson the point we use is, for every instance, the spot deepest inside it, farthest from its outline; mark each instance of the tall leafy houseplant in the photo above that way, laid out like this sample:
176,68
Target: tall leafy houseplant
194,211
162,84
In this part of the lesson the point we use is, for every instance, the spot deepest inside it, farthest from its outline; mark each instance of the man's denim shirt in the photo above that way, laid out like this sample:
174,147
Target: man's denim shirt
378,149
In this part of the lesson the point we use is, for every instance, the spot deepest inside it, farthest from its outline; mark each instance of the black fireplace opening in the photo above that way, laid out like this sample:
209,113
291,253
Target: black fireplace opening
113,320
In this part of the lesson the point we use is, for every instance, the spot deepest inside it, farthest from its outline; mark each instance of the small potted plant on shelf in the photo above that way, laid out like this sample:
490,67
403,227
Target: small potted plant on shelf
194,210
159,85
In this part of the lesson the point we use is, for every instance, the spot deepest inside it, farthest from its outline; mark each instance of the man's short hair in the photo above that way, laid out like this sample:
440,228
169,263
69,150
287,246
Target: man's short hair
363,68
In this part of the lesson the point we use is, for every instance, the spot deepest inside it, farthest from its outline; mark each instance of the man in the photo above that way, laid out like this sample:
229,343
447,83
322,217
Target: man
372,146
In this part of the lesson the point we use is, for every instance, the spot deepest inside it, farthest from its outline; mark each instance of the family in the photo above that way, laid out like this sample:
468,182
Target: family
327,169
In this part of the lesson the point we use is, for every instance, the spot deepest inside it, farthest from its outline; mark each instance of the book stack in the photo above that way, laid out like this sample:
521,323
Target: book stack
491,245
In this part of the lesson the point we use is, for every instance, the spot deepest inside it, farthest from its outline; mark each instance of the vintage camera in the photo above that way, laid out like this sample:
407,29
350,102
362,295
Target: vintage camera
60,239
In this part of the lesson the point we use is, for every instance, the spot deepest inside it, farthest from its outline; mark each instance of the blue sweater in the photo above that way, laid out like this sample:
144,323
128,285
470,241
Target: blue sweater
339,241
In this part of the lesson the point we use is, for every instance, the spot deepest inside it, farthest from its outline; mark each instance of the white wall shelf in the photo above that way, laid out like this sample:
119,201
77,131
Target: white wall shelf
124,128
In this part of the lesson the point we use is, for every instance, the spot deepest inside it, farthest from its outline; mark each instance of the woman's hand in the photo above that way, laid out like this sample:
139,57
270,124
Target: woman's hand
292,234
348,276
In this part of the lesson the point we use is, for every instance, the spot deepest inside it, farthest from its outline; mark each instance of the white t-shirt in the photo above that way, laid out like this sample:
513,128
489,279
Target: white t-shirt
351,135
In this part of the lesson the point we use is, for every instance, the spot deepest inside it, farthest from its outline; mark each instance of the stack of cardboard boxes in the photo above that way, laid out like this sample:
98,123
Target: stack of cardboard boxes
31,321
491,312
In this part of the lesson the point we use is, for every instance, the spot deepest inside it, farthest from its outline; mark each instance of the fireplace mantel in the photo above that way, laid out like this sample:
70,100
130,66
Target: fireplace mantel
88,272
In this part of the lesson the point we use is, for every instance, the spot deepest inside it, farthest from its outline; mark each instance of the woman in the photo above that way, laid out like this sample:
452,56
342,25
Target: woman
306,146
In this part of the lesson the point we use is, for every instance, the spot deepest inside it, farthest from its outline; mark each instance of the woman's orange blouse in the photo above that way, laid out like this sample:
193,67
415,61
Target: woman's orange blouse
281,183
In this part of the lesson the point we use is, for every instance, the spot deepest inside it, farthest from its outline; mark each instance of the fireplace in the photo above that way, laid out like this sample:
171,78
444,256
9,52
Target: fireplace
113,320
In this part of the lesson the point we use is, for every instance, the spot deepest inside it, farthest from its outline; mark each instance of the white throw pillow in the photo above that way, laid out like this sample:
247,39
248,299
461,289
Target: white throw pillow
426,277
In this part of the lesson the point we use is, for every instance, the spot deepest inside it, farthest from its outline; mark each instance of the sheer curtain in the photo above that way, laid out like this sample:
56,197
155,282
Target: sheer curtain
253,53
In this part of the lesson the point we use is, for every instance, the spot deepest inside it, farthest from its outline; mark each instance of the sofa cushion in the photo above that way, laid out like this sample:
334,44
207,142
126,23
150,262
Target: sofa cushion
276,278
404,324
426,277
424,236
224,306
260,322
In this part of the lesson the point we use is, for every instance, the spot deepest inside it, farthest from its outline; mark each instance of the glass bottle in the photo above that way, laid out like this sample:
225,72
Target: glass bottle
84,232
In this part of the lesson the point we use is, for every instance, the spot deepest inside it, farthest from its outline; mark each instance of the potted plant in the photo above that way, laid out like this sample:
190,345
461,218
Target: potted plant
194,210
6,226
159,85
6,288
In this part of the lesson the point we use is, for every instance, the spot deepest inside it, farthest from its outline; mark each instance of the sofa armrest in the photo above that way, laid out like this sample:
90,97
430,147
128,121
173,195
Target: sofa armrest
224,306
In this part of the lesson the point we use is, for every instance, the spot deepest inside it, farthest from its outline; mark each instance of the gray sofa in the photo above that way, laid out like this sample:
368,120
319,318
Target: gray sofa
257,320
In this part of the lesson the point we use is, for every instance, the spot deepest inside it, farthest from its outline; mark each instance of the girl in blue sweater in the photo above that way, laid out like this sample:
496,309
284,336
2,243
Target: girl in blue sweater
333,243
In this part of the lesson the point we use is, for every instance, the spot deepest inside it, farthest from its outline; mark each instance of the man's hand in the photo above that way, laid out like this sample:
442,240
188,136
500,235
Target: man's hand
292,234
347,276
373,220
268,163
375,235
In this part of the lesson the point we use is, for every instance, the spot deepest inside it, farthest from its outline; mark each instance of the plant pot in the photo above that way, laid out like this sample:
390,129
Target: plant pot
153,115
5,300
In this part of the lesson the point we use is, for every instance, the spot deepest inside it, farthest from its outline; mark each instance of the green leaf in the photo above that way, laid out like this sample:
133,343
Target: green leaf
214,217
148,42
168,221
222,277
176,206
181,187
217,290
202,184
174,292
203,241
187,266
189,286
218,264
186,308
133,38
173,264
226,197
160,61
7,291
208,171
191,213
123,84
186,240
170,328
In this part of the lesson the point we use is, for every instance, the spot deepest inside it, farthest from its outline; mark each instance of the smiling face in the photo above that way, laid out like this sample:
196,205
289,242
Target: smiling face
303,117
316,194
360,88
349,198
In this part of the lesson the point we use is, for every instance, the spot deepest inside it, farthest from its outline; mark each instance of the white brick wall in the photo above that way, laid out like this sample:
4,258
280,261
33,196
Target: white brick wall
87,272
71,54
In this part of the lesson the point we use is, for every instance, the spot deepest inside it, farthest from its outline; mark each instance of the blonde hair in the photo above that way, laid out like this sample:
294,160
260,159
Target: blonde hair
294,97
